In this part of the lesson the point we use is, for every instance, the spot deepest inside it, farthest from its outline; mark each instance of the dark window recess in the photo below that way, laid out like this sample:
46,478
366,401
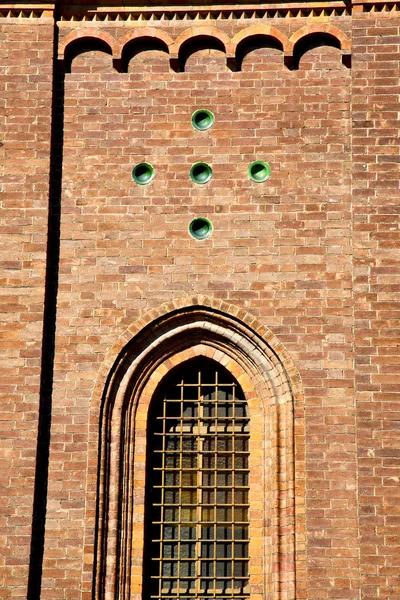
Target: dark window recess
197,529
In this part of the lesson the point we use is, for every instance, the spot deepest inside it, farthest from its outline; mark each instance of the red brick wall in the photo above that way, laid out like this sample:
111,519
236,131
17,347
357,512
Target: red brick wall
376,159
25,82
281,250
311,253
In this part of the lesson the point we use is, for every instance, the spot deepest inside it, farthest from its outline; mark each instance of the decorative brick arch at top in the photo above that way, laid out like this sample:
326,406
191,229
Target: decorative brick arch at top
85,34
262,31
175,47
135,366
200,31
316,28
158,35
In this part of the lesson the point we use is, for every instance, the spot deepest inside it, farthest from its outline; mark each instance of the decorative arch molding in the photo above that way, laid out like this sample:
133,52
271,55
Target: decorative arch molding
82,36
318,28
128,379
267,31
199,32
158,35
176,48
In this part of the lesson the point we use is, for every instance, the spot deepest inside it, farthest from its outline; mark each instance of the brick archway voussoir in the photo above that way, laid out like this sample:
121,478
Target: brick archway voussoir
264,31
85,34
315,28
202,31
142,33
212,305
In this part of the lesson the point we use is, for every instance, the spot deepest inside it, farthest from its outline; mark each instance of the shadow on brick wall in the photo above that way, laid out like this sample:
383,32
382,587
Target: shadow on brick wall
48,339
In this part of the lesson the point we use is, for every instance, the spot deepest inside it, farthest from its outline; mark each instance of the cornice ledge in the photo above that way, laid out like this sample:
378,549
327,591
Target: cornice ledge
34,9
28,5
137,10
160,10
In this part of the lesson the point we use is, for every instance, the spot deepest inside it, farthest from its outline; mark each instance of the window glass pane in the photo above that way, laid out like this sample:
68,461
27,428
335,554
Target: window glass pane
171,496
197,487
187,533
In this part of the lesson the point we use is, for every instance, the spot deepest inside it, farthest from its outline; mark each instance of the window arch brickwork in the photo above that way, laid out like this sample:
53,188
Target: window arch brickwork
139,361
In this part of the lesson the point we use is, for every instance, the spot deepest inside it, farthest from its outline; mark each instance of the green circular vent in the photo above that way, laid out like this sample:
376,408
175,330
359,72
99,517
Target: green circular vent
259,171
202,119
200,228
200,172
143,173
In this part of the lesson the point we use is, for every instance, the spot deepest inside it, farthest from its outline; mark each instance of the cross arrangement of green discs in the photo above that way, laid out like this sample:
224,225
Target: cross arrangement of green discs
201,172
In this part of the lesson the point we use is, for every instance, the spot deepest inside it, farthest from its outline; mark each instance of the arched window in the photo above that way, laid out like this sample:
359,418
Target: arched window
197,487
195,465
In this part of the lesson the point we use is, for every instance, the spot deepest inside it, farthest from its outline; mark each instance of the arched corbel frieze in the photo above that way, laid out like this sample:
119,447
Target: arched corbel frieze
150,37
196,32
144,32
331,33
191,36
178,47
312,28
267,31
83,40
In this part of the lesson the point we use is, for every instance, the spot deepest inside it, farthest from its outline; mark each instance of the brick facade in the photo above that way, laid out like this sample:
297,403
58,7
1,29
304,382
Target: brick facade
26,98
298,280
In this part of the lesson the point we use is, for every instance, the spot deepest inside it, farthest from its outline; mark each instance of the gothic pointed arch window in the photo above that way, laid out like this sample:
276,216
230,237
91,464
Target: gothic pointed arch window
197,486
196,457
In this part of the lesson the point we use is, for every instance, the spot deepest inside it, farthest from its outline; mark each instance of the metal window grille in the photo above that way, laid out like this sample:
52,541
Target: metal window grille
197,530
